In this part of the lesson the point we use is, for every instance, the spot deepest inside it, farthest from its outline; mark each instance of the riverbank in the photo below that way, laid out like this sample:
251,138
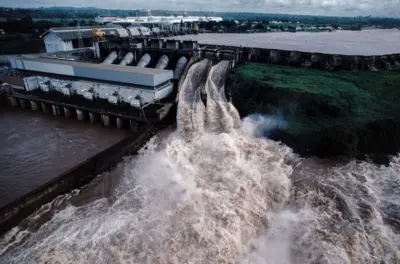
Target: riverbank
325,113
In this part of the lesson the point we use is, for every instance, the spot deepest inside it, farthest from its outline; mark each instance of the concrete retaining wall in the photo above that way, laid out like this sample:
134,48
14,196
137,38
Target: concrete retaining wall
12,214
322,61
307,59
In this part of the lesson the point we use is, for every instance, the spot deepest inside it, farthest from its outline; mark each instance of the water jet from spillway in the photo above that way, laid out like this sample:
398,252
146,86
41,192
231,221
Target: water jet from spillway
191,109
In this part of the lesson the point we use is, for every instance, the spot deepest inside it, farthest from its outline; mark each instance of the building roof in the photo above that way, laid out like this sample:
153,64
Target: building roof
146,77
84,27
70,33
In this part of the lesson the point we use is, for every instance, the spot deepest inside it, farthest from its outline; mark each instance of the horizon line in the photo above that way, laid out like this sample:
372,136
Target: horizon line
228,12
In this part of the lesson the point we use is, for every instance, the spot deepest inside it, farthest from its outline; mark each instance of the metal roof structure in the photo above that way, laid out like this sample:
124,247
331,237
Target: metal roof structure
84,27
70,33
148,78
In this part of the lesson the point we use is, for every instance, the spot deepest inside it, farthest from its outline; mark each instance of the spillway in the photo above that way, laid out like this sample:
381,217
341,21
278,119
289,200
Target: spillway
162,62
128,58
110,58
180,67
144,61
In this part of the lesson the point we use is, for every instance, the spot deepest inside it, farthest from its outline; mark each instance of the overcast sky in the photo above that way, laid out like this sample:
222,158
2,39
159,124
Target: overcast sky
320,7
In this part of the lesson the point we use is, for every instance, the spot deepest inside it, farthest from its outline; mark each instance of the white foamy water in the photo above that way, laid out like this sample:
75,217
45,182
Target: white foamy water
222,116
191,110
366,42
212,193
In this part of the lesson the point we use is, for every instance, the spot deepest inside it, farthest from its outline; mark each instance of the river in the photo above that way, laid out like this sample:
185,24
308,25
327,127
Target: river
35,147
214,191
365,42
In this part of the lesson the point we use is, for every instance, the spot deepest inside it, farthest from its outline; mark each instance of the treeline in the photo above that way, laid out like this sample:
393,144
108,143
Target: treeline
317,20
27,25
20,20
47,13
232,26
66,13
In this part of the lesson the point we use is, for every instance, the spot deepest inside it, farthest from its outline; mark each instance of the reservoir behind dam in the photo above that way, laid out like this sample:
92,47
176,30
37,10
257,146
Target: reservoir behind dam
365,42
36,147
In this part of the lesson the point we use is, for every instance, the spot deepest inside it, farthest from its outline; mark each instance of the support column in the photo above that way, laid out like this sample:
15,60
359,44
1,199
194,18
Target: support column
34,106
105,119
12,101
22,103
67,112
80,115
54,109
93,117
120,122
134,125
44,107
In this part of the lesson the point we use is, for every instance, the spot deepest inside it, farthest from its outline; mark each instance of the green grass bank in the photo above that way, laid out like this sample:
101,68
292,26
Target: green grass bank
327,113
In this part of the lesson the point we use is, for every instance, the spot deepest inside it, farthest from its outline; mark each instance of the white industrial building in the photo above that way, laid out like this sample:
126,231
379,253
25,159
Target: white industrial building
149,19
133,85
67,38
104,19
166,19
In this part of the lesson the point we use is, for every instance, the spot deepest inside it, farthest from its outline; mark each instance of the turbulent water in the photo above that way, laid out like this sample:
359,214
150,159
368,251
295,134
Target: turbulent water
214,191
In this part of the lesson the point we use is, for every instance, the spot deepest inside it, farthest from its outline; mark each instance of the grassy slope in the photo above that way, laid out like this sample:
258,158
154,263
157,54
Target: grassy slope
343,111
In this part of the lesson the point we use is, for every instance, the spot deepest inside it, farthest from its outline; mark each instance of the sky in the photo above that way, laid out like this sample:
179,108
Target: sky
389,8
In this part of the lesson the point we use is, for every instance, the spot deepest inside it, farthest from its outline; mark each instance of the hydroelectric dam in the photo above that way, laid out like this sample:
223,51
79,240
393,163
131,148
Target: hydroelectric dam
204,193
95,88
135,83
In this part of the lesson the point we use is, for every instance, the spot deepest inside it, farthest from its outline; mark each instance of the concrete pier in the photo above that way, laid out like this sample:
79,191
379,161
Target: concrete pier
44,107
105,119
67,112
93,117
274,56
34,105
69,109
12,101
134,126
22,103
55,109
80,115
120,122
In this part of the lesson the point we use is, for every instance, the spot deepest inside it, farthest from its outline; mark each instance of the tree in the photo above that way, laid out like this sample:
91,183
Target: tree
27,22
259,26
249,24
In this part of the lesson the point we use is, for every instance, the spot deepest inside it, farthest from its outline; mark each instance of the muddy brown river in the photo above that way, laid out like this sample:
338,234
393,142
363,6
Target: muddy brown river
35,147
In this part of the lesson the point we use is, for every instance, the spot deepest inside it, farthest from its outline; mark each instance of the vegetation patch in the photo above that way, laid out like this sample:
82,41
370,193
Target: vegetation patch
328,113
